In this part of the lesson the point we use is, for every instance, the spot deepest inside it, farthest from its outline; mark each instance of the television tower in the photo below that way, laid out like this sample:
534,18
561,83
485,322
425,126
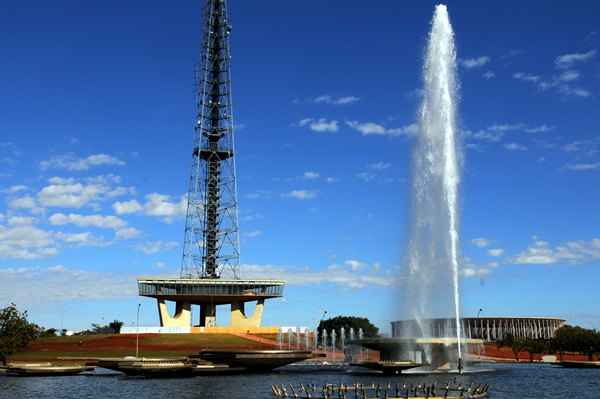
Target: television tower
211,242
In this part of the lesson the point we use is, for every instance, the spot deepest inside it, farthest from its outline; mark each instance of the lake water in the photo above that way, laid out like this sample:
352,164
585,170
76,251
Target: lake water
508,381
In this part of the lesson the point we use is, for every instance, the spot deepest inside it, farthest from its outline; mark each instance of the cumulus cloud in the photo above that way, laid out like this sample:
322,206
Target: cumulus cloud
310,175
365,176
380,165
153,247
26,242
527,77
341,275
478,62
122,230
320,125
540,129
301,194
489,75
73,163
126,207
253,233
60,283
583,167
515,147
161,206
481,242
372,128
567,60
496,252
328,99
99,221
77,193
572,252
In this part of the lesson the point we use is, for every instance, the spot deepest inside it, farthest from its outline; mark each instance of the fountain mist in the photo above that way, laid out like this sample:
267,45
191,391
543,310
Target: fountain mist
432,284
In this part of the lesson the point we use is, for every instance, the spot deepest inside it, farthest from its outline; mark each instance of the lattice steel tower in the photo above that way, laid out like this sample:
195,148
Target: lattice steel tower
211,243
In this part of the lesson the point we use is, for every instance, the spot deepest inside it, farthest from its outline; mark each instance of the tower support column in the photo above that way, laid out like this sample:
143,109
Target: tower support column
239,319
182,317
208,315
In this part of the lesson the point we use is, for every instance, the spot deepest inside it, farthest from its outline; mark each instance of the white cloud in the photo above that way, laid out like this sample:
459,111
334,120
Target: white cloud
582,167
320,125
26,242
572,252
515,147
561,83
99,221
331,180
569,76
81,239
160,205
574,91
372,128
60,283
496,252
74,193
258,194
469,272
527,77
127,233
567,60
365,176
27,202
481,242
367,128
20,220
73,163
506,127
253,233
328,99
354,265
478,62
540,129
126,207
311,175
301,194
380,165
340,275
153,247
489,75
15,189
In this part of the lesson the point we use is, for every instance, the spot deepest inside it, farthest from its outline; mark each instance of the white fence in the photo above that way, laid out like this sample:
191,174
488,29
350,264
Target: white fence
156,330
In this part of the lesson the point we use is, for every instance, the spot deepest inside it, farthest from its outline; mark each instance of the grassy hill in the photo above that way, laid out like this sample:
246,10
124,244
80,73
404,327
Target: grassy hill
119,345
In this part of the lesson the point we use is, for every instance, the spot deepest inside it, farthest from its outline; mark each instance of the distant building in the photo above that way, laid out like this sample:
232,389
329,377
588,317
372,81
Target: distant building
485,328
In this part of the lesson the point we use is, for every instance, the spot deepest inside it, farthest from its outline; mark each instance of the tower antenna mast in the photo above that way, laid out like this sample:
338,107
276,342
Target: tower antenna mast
211,242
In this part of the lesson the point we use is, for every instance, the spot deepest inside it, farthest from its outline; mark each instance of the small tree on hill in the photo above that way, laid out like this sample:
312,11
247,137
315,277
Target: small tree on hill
336,323
116,325
15,331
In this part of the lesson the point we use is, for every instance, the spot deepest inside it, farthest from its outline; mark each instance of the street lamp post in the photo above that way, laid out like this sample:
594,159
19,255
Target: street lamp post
137,332
317,330
481,334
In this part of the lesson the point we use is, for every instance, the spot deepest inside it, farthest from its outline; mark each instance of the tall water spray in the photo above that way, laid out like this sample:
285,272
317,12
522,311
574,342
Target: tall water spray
432,283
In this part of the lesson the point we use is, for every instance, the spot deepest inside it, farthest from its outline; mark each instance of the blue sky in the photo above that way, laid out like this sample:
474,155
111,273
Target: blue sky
97,110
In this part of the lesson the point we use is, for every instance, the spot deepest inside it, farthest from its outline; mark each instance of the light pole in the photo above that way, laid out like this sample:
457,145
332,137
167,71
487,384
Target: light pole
479,324
137,332
317,330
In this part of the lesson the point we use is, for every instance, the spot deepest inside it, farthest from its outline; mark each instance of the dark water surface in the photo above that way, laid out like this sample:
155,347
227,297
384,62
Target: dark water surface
508,381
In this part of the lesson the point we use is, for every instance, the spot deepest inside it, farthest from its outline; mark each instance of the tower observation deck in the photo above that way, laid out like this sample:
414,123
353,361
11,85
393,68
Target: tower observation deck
211,236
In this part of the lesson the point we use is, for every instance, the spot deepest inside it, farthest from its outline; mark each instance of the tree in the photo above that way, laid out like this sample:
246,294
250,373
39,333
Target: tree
336,323
116,325
15,331
517,346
